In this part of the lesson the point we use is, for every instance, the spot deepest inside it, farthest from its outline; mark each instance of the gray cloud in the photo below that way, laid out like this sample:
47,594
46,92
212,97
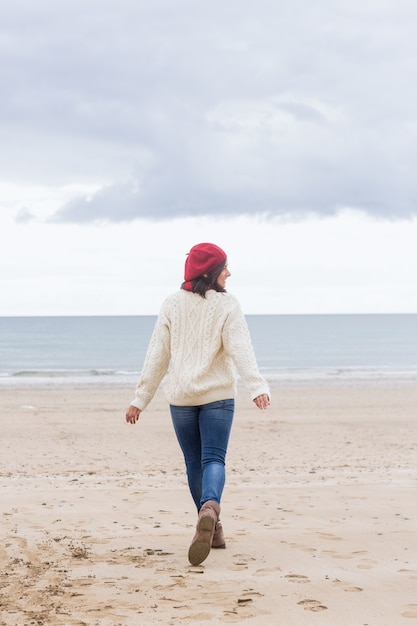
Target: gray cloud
176,108
24,215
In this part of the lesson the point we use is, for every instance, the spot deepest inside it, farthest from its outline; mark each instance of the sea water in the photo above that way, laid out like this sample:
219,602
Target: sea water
293,347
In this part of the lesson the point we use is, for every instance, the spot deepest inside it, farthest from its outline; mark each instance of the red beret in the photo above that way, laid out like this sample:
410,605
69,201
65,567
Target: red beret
203,258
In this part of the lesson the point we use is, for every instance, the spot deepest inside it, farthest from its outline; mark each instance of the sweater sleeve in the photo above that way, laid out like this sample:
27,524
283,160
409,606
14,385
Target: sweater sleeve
238,344
155,364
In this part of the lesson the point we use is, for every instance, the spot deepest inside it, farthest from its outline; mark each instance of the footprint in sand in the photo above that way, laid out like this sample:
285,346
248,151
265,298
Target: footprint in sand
312,605
240,562
346,586
297,578
300,546
329,537
264,571
18,548
410,611
412,573
366,564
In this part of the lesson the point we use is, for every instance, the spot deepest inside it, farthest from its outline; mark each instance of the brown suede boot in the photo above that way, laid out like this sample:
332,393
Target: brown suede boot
203,538
218,539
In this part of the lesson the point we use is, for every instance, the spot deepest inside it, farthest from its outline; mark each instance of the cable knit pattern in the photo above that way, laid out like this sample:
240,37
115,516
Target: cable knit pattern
199,344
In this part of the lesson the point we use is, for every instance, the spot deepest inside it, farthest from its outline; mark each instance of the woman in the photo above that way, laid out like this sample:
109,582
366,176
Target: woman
200,339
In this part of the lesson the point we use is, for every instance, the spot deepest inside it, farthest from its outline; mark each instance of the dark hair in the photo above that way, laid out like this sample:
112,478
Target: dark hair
202,284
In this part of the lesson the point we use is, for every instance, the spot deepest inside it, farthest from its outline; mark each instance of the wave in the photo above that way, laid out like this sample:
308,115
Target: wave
63,373
273,374
341,374
60,376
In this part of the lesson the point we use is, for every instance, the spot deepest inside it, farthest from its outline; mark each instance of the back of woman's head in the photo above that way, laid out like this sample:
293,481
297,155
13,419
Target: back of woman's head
203,265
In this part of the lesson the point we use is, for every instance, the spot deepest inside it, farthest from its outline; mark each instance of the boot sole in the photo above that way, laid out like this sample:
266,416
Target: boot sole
200,548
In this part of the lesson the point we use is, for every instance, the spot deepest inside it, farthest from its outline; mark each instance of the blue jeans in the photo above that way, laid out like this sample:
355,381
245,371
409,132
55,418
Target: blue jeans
203,434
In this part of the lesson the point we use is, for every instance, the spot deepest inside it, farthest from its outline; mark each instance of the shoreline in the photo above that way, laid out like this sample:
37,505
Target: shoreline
276,378
319,504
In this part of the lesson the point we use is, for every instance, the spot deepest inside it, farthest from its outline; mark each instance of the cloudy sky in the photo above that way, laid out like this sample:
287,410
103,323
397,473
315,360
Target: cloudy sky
286,132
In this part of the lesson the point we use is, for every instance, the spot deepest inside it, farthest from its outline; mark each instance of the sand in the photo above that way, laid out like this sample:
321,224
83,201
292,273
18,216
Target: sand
319,511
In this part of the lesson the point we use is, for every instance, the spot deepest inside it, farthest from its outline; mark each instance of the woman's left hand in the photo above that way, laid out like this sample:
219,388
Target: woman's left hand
262,402
132,415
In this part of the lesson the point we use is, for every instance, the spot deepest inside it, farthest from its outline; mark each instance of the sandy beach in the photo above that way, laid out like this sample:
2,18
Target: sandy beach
319,511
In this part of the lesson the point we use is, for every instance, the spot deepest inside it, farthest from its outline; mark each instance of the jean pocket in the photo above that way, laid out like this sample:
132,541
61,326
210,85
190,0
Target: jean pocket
221,404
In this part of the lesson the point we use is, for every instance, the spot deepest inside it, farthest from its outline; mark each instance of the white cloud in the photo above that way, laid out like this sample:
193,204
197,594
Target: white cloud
345,264
131,130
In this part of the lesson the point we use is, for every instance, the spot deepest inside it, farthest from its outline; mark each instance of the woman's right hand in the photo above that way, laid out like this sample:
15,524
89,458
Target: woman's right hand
262,401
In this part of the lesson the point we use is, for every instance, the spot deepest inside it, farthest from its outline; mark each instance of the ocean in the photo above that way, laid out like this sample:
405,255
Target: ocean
56,350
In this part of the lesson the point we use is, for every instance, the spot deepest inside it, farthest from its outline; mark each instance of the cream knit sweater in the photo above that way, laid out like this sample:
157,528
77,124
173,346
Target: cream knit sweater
199,343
